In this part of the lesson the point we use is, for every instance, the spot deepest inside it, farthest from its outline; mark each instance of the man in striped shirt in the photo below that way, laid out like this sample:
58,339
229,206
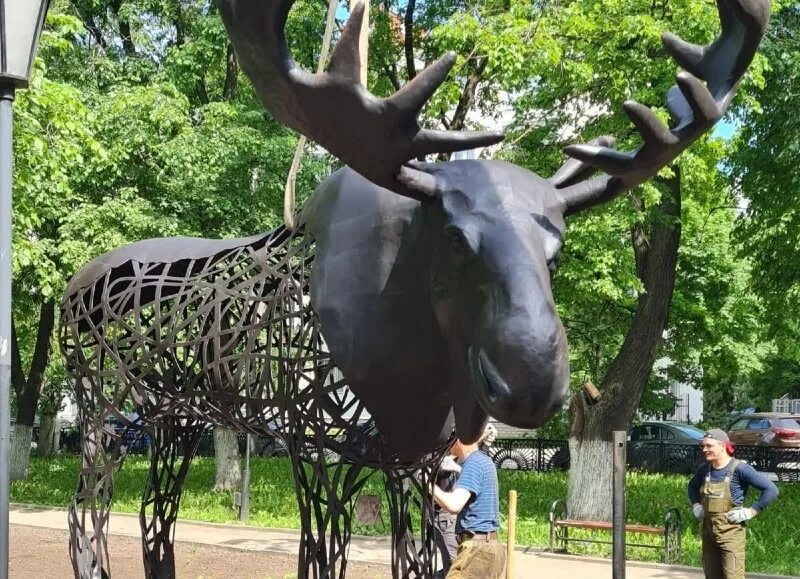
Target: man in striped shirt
476,500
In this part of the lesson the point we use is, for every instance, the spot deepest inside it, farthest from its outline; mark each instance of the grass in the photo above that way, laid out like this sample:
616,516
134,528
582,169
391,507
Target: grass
772,546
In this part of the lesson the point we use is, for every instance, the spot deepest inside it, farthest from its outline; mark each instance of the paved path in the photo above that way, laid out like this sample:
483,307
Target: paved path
530,564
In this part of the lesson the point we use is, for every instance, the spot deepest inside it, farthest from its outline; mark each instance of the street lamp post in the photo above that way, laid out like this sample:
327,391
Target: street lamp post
20,26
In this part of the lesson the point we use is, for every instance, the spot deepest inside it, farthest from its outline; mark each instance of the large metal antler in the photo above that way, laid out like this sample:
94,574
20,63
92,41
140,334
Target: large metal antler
374,136
694,107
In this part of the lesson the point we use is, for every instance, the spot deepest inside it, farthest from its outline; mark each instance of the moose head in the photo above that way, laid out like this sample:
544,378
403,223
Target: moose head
432,280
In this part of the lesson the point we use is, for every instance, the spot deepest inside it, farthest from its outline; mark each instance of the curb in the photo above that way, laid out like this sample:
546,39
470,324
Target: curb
645,565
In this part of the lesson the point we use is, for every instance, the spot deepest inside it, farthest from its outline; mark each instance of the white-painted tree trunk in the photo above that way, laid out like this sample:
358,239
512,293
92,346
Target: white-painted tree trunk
21,437
228,471
589,489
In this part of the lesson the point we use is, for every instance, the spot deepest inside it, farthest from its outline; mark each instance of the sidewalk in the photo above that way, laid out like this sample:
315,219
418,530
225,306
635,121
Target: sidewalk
530,564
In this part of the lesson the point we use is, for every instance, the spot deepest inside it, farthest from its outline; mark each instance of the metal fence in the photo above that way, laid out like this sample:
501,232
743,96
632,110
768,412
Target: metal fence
655,457
139,443
530,454
787,405
527,454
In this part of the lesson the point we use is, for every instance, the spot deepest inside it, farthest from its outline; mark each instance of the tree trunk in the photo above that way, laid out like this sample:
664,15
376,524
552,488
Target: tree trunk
467,98
49,436
465,101
28,390
21,437
231,75
228,472
591,428
408,27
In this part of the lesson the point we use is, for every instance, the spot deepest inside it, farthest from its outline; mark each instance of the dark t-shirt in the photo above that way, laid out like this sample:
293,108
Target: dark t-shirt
481,514
744,477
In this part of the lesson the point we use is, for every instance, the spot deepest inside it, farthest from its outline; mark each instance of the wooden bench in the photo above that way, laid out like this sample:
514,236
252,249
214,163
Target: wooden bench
670,532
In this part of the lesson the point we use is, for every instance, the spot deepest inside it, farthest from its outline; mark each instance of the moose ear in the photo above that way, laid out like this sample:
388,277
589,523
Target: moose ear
421,180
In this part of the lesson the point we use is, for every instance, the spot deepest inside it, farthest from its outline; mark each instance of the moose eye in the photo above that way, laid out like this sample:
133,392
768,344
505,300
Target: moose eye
456,243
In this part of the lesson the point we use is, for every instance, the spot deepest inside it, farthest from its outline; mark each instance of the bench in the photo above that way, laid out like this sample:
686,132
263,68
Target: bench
670,532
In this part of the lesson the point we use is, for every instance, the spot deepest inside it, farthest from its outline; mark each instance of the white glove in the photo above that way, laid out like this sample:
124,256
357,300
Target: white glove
422,479
449,464
698,511
489,435
740,515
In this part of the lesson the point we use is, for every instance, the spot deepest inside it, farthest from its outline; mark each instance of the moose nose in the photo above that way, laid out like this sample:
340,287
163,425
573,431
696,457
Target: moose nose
525,398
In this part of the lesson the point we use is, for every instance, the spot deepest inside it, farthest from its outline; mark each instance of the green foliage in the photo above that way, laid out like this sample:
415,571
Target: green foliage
131,131
763,167
53,389
119,145
771,545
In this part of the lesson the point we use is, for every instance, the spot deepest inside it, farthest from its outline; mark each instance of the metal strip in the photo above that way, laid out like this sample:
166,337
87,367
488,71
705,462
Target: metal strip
618,513
45,4
6,183
601,542
2,36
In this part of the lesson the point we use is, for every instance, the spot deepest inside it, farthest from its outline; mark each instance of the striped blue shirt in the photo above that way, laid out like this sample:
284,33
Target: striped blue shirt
481,514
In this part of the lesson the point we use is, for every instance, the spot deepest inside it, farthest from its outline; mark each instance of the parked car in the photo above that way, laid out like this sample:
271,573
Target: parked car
770,441
665,431
766,429
664,446
136,440
657,446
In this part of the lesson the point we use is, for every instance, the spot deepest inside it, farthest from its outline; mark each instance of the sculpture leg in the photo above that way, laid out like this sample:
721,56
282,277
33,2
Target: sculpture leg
326,493
409,558
102,455
173,448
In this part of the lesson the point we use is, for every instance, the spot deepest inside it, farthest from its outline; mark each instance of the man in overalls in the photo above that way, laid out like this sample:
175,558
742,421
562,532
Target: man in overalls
717,491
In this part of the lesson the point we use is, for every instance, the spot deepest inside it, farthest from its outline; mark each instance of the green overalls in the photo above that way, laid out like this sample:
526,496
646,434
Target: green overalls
723,542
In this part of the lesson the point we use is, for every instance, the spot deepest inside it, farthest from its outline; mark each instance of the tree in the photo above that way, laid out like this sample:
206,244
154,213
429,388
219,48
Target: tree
54,148
227,468
763,169
130,132
618,276
50,404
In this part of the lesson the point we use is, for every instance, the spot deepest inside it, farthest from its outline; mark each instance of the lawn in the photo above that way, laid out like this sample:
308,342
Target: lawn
772,543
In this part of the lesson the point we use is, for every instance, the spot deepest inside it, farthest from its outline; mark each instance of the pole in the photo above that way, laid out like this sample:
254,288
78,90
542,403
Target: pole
363,43
6,167
512,534
618,513
244,508
289,189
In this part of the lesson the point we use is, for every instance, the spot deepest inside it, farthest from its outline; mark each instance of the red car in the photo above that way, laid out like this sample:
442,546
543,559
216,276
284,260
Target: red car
766,429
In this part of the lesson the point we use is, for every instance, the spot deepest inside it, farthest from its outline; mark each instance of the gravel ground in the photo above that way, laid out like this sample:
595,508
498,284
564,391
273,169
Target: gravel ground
38,553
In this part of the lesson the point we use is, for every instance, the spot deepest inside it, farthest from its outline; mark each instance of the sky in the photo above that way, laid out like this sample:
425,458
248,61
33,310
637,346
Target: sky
724,130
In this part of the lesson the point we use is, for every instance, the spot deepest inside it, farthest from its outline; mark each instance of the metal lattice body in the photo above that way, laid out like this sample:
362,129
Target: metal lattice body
225,337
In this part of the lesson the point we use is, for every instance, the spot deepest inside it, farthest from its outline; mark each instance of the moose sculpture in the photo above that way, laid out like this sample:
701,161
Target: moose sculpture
412,299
